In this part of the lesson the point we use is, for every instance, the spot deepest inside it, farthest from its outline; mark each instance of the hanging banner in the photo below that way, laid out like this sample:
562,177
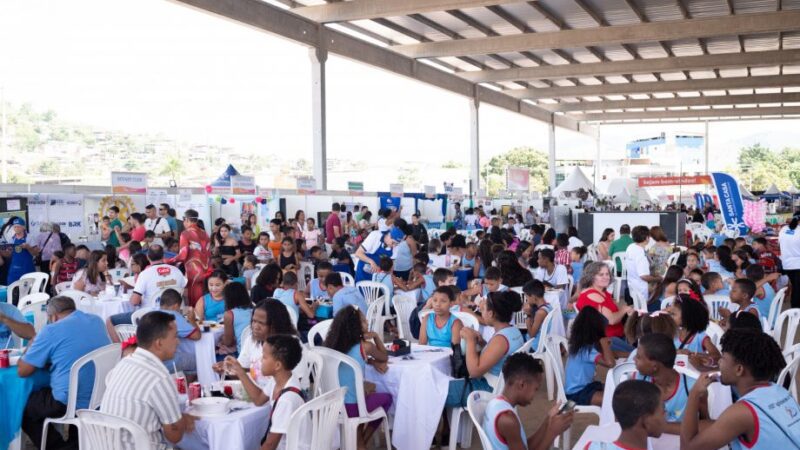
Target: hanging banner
673,181
430,191
518,179
448,187
184,195
457,194
355,187
243,185
730,201
699,200
306,185
396,189
157,197
129,183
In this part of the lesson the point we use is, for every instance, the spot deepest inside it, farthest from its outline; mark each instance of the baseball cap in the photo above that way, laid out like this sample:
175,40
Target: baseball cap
397,234
18,221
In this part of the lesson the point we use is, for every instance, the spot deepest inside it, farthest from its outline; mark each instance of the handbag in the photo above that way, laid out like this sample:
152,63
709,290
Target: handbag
37,260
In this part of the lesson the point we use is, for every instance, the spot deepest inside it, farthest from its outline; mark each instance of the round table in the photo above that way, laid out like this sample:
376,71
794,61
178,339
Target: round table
107,307
419,388
205,351
239,429
12,402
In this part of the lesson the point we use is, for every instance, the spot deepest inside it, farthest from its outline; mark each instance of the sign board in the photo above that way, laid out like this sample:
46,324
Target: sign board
730,201
65,210
306,185
129,183
673,181
355,187
157,196
243,185
448,187
430,191
518,179
184,195
396,189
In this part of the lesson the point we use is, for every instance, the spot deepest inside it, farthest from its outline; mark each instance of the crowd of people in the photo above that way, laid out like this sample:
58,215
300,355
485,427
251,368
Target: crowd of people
187,272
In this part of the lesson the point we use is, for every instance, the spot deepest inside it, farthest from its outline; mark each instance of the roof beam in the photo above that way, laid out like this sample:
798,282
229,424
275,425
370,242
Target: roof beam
265,17
637,66
586,37
694,113
373,9
749,99
708,84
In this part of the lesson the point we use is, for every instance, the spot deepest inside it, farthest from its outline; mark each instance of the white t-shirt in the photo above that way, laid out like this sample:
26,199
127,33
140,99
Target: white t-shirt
382,225
312,237
574,242
158,226
263,254
250,354
789,241
558,277
372,242
637,264
287,404
155,279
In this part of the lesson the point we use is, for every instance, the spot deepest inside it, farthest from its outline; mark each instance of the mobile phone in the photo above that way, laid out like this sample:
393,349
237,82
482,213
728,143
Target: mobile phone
566,407
714,375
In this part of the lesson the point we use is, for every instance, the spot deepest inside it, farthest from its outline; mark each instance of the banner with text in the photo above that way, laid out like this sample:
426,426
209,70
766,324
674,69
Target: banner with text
355,187
518,179
129,183
243,185
673,181
730,201
396,190
306,185
66,210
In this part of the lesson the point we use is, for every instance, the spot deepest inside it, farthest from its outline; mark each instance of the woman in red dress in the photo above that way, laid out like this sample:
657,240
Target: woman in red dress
595,279
195,254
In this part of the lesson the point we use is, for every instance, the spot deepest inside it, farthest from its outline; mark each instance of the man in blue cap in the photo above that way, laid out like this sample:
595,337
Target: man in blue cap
22,254
369,253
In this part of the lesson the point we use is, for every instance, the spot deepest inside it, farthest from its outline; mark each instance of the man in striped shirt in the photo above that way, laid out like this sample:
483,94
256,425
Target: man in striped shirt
141,389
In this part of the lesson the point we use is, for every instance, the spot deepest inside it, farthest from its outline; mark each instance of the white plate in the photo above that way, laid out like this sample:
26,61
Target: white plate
194,412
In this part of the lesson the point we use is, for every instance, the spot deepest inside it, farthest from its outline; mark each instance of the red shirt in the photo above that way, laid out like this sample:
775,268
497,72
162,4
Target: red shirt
616,330
332,221
137,234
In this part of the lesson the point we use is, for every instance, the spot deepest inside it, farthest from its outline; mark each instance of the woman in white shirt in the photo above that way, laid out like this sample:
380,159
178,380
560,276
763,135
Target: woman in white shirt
789,241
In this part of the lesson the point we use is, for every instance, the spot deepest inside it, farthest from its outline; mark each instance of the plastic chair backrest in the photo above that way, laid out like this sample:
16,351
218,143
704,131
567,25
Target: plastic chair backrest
138,314
787,324
622,372
374,314
598,433
620,256
554,355
372,291
547,324
347,279
38,281
39,311
476,407
404,307
63,286
17,290
468,320
673,259
667,302
306,268
330,374
776,307
76,295
790,373
319,329
32,298
101,430
715,302
125,331
714,332
312,366
321,415
292,315
104,359
639,303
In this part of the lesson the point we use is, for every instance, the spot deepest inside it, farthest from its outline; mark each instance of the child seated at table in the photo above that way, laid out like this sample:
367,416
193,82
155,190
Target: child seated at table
470,258
294,299
281,355
316,289
576,264
350,335
211,306
492,282
692,319
655,361
501,422
639,411
588,347
536,310
642,323
238,311
188,330
262,251
764,291
742,294
713,285
441,328
249,269
385,276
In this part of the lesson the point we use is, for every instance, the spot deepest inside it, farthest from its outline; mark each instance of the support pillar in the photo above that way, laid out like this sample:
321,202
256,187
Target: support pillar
474,145
551,160
597,158
319,120
705,142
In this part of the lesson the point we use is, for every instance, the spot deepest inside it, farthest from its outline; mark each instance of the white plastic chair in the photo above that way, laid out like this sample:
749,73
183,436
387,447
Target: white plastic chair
639,303
404,307
329,380
791,370
32,298
775,308
321,415
598,433
76,295
518,320
292,315
39,311
373,291
138,314
715,302
17,290
104,359
591,253
347,279
319,329
306,268
476,407
125,331
787,322
673,259
714,332
38,281
667,302
622,372
468,320
311,368
105,431
63,286
620,256
374,318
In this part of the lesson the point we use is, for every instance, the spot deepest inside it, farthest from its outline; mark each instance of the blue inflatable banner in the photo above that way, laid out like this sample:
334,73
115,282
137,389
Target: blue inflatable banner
730,201
699,200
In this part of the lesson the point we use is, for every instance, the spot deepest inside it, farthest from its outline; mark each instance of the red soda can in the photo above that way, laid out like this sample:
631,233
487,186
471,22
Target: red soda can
228,390
4,363
180,383
194,391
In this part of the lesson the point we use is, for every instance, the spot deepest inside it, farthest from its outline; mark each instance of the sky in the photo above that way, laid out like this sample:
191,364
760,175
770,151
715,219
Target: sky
159,67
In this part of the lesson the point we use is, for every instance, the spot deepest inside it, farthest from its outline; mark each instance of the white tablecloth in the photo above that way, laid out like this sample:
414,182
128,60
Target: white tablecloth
106,308
237,430
206,354
419,390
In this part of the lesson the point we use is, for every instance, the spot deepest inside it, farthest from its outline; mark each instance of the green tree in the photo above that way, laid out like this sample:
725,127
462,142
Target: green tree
452,165
173,167
534,160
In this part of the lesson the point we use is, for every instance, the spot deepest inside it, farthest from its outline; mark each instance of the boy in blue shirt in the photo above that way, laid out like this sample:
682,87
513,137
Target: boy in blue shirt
188,330
640,413
70,335
12,322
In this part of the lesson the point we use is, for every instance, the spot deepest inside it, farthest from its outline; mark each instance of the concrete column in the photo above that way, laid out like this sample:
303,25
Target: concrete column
597,158
705,142
474,144
551,160
319,121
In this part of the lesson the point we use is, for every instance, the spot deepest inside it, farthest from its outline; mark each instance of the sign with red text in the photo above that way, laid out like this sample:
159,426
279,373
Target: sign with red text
673,181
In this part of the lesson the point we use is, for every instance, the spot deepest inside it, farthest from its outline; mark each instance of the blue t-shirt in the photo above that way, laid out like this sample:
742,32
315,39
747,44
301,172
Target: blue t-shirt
185,350
349,296
60,344
10,311
346,376
386,280
173,224
764,304
676,403
427,290
577,270
286,296
185,329
213,309
241,320
581,369
440,337
317,291
403,260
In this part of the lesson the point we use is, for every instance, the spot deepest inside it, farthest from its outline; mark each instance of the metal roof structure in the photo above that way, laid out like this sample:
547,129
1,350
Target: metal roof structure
570,63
